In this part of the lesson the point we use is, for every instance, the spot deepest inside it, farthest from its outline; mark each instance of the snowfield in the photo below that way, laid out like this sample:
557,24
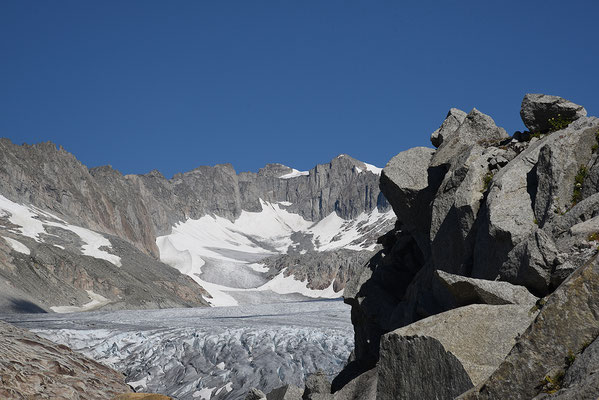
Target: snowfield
208,353
194,247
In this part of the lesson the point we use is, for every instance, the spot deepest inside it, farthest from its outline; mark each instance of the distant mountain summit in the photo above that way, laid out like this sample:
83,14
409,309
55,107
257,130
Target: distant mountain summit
102,239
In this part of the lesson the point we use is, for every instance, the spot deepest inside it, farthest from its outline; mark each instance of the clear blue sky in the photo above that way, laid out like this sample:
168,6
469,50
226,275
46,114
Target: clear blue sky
173,85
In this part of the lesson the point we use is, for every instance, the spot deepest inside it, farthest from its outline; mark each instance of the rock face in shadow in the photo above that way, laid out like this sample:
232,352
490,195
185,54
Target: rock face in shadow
485,219
32,367
418,367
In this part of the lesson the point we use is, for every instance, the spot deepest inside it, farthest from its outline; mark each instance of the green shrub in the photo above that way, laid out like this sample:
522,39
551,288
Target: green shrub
558,123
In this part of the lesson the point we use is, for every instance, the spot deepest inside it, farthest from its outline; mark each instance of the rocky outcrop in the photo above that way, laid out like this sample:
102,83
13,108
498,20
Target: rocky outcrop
418,367
321,269
487,219
32,367
538,109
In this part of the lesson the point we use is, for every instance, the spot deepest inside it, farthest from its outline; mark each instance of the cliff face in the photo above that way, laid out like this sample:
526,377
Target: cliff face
482,217
138,208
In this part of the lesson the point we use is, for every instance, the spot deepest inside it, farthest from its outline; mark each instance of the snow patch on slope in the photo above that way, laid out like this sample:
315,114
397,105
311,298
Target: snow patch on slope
375,170
294,172
17,246
96,302
282,284
31,222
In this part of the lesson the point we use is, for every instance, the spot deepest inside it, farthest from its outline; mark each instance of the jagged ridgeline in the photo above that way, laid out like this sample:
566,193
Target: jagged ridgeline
488,285
77,239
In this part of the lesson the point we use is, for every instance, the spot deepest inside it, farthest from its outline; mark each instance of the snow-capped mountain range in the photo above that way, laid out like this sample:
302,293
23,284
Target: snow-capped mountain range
78,239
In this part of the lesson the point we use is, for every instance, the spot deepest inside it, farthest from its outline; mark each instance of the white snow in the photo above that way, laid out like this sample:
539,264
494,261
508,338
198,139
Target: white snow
282,284
294,172
142,383
203,394
333,232
375,170
17,246
93,242
285,203
32,221
258,267
220,365
256,235
96,301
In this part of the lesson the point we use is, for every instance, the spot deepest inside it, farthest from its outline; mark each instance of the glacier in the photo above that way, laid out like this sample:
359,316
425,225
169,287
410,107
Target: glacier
208,353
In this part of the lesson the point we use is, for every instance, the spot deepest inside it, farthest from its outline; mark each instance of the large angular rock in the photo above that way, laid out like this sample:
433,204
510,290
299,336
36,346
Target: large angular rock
361,388
287,392
255,394
479,335
404,181
465,291
567,322
414,367
537,109
317,387
560,160
452,122
532,262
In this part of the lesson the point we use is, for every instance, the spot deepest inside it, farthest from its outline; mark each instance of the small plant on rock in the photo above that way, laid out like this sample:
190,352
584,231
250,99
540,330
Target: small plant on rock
570,358
593,237
578,183
558,123
487,180
553,384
